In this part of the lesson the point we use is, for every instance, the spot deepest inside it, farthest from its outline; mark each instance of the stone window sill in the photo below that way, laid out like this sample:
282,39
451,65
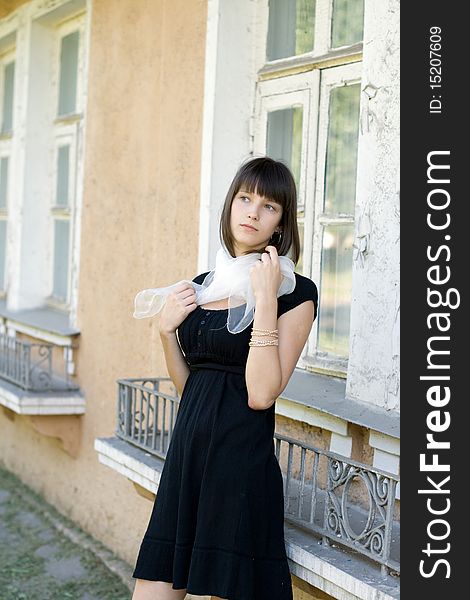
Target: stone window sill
45,323
24,402
327,395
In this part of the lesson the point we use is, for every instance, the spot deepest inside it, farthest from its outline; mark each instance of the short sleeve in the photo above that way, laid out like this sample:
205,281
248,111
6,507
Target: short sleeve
200,278
305,289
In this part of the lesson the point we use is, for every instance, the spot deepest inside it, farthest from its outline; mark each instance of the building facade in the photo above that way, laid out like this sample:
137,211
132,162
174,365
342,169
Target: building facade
121,127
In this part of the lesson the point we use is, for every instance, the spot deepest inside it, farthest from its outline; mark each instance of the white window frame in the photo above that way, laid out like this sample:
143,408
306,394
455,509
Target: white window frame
67,136
70,25
6,58
321,55
330,79
307,80
66,131
6,141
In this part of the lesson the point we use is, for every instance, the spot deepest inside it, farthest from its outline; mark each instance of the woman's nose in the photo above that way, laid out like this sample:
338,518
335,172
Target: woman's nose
253,213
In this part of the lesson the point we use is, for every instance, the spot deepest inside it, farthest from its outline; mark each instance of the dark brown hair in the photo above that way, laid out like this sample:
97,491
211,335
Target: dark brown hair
270,179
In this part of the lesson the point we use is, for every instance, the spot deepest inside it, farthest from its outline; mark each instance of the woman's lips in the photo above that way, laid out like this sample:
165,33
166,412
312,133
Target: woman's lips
248,227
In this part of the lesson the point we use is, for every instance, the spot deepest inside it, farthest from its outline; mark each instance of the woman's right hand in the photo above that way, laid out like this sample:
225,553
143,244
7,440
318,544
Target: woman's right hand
177,307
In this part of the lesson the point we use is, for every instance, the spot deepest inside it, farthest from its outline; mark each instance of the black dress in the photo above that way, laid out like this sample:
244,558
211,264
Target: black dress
217,524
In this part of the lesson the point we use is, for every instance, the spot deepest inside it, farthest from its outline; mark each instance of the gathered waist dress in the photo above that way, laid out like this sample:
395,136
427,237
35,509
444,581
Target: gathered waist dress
217,523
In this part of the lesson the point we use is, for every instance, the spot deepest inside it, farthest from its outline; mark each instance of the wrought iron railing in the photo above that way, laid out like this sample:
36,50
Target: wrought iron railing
30,366
146,412
339,499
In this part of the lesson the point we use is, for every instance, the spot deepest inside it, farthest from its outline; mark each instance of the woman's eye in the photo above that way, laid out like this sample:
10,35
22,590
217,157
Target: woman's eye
271,207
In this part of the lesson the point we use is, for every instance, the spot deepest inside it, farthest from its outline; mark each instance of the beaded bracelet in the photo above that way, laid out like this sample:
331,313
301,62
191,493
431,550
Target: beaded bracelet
263,343
265,333
272,333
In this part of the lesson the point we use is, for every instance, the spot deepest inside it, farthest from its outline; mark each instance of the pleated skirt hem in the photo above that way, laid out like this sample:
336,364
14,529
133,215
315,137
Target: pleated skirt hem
213,571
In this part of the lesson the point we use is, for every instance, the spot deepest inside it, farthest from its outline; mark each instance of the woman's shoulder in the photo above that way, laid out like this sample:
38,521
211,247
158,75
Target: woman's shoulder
305,285
305,289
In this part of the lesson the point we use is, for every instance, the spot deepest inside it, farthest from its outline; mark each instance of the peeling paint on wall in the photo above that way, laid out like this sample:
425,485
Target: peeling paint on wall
392,389
374,359
367,114
361,242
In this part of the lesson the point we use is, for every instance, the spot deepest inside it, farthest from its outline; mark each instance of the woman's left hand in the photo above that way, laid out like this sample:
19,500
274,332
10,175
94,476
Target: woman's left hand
265,274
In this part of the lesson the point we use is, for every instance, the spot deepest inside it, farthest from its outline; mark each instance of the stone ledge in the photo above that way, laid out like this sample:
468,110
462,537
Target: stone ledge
324,398
336,571
132,462
44,323
24,402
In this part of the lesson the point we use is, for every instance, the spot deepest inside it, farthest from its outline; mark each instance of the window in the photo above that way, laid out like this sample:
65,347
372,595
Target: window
68,98
4,162
42,107
7,80
68,73
8,77
307,114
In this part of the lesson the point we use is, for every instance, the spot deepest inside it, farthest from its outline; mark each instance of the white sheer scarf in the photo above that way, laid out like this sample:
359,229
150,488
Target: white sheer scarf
230,279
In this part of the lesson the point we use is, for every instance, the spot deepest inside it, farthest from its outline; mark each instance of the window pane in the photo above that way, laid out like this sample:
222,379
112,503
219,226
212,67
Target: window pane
290,28
347,22
284,142
341,153
68,73
3,246
62,192
284,138
336,282
8,84
61,258
3,181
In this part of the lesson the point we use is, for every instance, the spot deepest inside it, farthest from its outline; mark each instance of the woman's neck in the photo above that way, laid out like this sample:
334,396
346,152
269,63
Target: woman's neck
239,252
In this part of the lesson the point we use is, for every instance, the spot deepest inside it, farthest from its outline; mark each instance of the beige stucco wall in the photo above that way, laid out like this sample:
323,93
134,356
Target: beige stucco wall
139,228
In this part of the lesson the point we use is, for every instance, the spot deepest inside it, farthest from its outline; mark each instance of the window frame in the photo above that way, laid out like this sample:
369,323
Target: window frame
7,56
331,78
66,130
64,28
308,79
67,136
321,56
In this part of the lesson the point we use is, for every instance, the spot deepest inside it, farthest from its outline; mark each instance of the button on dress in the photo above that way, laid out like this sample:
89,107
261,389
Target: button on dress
217,523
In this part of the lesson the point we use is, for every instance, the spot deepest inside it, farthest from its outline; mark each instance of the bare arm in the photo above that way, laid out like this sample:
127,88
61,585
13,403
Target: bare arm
177,307
269,368
263,368
177,367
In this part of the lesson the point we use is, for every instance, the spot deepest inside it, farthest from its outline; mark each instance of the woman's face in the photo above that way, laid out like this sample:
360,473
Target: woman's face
261,213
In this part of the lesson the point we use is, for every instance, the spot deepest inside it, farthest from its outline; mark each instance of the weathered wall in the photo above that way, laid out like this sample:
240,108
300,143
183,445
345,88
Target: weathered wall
139,229
140,215
374,357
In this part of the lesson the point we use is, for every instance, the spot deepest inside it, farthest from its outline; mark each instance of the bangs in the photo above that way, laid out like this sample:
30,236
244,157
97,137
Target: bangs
267,180
271,179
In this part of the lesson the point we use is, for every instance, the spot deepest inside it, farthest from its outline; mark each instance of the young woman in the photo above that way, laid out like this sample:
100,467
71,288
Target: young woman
217,524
